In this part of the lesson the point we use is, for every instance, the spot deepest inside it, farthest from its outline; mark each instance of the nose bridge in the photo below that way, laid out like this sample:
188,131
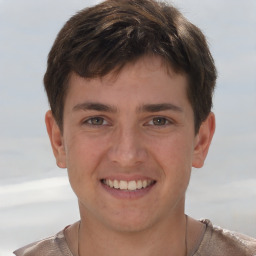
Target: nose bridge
127,147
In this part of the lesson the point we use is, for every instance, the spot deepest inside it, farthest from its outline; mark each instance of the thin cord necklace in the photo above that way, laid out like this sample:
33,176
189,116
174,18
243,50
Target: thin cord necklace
78,238
186,230
186,235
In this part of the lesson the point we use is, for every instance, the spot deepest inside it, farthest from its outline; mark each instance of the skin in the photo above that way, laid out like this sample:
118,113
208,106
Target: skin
140,126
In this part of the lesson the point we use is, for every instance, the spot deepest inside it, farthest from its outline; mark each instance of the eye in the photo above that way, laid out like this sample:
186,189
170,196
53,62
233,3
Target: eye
96,121
159,121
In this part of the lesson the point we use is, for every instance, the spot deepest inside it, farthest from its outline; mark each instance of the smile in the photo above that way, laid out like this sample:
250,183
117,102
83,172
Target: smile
128,185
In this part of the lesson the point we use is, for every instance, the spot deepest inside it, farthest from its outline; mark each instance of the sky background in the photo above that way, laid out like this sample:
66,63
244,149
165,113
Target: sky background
34,193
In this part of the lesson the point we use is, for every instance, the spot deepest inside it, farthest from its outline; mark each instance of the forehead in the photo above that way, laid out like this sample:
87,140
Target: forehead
143,67
148,78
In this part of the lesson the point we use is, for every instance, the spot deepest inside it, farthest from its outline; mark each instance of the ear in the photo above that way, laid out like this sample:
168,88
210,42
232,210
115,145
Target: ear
56,139
203,140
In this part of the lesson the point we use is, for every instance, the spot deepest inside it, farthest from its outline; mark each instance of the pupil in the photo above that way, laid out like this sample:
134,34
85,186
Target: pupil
159,121
97,120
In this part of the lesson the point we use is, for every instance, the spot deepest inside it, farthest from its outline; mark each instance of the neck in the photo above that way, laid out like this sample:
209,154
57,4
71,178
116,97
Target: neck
168,238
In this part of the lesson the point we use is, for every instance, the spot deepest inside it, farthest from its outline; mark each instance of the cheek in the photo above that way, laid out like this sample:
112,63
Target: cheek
174,156
81,151
176,151
82,158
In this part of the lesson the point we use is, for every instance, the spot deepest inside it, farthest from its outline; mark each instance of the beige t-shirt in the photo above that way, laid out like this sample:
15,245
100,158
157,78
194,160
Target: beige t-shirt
215,242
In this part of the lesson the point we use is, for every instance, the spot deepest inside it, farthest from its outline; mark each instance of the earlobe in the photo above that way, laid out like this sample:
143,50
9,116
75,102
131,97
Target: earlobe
56,139
203,141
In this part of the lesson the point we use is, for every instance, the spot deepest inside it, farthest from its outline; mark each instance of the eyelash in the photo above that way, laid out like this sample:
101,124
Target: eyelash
89,121
162,121
159,118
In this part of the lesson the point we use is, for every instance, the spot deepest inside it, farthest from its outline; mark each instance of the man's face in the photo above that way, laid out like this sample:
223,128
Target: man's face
129,143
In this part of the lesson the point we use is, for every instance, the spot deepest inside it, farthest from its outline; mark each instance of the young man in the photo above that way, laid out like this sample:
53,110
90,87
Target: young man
130,86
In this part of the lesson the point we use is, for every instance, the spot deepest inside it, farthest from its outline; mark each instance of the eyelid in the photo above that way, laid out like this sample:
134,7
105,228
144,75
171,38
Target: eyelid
168,120
88,120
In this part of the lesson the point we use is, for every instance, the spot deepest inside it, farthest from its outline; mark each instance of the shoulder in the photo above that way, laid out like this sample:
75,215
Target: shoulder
219,241
52,246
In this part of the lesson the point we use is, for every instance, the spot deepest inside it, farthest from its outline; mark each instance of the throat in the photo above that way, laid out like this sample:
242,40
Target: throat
142,243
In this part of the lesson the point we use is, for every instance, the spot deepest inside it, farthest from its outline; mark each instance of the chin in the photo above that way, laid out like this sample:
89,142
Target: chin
129,222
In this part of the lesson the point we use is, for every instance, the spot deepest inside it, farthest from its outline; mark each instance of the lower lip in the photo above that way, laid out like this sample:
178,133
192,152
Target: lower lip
128,194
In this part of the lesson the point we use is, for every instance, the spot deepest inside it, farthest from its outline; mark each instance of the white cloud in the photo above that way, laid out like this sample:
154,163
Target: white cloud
38,191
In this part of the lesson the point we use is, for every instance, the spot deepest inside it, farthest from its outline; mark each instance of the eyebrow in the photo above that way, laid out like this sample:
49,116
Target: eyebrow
143,108
159,107
94,106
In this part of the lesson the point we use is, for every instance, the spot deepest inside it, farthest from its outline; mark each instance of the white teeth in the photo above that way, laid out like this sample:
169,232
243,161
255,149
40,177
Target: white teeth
116,184
123,184
128,185
139,184
144,183
132,185
110,183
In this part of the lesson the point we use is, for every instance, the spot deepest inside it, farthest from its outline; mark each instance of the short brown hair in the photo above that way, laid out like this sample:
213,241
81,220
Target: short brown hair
103,38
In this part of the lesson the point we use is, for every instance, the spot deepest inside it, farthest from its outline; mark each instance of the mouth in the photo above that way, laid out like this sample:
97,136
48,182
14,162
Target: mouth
132,185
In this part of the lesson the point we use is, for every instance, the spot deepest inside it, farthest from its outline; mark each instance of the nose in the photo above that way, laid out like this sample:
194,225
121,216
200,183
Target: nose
127,149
